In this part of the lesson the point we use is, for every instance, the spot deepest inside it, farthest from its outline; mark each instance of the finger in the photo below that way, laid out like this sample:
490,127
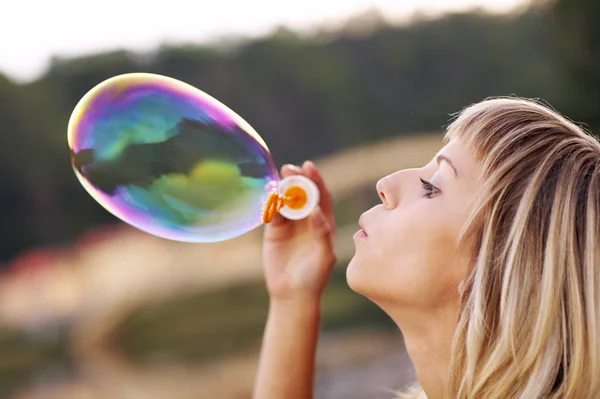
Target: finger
278,220
321,230
291,170
278,229
319,224
326,203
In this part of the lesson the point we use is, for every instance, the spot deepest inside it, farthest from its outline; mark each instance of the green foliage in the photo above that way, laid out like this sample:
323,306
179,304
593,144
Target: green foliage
25,356
577,34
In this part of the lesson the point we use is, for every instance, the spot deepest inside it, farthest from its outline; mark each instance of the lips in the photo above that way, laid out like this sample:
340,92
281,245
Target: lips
361,223
360,234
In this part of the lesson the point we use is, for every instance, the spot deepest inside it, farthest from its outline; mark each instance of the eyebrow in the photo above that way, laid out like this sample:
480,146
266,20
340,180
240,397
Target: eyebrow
441,158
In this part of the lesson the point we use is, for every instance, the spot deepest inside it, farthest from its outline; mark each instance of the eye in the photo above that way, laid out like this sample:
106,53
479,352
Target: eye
431,191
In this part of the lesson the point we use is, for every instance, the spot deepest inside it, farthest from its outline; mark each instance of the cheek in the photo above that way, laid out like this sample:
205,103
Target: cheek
410,257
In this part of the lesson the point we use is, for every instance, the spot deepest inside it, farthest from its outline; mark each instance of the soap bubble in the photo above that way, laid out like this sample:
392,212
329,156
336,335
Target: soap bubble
170,160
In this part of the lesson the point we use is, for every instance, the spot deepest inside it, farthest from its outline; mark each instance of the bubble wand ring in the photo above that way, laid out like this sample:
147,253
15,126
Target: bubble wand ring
300,197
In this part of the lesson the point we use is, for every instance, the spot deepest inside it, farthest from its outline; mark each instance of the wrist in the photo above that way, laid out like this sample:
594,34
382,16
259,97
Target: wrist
299,305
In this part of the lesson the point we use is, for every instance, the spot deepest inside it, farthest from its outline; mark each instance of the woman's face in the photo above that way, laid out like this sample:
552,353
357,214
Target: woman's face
407,254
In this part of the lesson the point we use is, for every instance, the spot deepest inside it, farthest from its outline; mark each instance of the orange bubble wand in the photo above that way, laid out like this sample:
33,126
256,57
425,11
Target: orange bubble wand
296,199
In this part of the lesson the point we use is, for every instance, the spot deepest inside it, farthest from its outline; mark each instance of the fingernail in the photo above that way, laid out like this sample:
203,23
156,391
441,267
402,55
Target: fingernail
292,167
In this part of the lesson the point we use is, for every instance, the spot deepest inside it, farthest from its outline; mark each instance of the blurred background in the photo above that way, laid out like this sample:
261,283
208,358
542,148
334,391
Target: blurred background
91,308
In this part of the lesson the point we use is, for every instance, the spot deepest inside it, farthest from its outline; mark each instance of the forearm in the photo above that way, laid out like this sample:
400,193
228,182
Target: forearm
287,361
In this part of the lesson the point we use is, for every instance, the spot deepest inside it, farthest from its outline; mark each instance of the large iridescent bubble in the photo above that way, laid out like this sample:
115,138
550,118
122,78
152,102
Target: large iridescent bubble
169,159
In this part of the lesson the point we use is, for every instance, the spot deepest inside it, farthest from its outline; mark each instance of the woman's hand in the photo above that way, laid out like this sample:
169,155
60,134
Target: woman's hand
298,258
298,254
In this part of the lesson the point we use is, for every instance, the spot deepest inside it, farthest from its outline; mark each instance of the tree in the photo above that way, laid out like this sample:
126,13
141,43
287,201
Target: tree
577,34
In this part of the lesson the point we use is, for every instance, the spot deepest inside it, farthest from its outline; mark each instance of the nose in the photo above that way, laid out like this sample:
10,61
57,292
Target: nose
385,190
391,187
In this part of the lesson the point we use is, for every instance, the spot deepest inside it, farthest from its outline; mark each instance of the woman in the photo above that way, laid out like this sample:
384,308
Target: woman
487,258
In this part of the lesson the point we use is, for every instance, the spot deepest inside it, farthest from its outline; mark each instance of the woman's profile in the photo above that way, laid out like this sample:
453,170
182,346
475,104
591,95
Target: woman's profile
487,258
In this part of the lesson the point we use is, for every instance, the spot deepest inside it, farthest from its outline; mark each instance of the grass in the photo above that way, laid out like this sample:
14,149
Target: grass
24,357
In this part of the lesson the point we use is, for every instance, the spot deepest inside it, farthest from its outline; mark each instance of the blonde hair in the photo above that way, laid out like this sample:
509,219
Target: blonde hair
529,324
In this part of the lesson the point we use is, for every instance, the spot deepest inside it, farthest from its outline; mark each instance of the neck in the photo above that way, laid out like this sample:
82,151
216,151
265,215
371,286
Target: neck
428,340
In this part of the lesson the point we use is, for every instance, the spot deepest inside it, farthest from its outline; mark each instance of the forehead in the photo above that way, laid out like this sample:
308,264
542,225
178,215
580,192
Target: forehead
463,159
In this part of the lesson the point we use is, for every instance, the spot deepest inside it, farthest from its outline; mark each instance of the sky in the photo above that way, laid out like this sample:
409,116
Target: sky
32,31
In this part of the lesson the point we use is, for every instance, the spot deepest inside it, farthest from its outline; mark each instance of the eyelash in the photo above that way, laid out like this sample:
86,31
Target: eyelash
431,190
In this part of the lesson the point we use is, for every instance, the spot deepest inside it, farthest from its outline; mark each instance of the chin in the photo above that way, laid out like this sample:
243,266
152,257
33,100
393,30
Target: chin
351,274
363,281
355,276
365,278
